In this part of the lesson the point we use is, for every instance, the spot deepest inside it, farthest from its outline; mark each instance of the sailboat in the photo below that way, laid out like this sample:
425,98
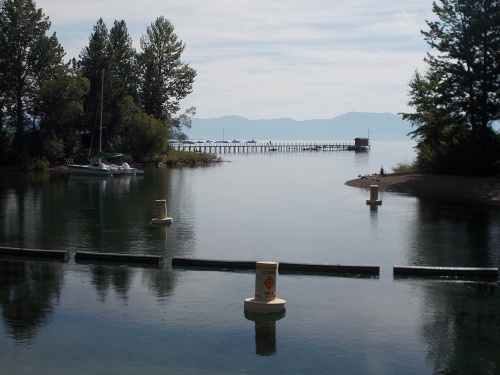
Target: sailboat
96,168
223,138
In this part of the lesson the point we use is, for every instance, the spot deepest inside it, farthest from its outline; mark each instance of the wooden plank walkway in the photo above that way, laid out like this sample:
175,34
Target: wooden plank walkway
246,148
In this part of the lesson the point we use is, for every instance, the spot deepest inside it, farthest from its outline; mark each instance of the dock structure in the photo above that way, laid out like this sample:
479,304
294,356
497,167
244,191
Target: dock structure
263,147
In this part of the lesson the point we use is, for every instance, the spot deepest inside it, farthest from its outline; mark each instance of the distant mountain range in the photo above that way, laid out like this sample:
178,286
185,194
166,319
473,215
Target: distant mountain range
376,126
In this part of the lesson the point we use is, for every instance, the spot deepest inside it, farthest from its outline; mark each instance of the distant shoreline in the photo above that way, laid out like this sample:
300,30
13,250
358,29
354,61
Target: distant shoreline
484,190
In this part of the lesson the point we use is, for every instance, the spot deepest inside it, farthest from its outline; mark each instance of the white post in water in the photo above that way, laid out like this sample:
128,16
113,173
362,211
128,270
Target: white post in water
374,196
161,213
265,300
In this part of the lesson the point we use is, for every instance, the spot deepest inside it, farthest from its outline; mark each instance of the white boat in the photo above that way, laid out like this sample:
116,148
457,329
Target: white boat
121,167
127,169
94,169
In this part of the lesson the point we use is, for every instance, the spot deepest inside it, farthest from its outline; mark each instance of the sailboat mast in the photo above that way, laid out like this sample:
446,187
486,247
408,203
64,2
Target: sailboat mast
100,124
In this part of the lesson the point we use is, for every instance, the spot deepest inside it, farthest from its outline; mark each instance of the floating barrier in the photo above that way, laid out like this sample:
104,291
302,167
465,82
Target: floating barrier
483,273
118,257
208,263
284,267
327,268
35,253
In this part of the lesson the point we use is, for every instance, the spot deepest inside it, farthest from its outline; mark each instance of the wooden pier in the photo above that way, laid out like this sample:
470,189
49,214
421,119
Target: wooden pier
249,147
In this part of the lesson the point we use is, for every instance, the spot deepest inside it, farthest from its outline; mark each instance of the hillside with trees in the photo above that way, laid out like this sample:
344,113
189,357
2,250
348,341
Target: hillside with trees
49,110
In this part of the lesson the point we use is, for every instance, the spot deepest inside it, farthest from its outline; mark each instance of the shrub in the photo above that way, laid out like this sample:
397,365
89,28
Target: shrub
405,167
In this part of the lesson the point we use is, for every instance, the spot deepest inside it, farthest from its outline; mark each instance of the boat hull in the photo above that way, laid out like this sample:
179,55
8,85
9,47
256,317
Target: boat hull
92,170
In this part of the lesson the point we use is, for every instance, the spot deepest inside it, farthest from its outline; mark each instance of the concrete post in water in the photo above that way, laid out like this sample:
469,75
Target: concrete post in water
265,300
161,213
374,196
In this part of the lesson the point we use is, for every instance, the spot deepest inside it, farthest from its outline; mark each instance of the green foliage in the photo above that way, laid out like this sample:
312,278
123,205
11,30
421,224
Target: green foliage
148,136
166,80
456,100
176,157
140,90
61,112
28,163
404,167
49,110
28,58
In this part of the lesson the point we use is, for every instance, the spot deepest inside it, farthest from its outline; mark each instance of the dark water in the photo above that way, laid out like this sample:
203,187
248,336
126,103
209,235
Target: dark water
100,318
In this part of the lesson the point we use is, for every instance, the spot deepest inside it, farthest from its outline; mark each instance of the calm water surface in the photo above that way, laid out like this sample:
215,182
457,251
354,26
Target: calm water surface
82,318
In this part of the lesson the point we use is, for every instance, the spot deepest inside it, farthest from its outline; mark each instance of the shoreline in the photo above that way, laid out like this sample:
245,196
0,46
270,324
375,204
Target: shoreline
484,190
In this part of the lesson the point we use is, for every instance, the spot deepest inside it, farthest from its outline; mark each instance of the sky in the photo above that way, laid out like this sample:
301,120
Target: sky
314,59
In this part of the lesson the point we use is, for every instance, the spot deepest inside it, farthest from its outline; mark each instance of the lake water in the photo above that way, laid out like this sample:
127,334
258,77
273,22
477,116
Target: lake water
101,318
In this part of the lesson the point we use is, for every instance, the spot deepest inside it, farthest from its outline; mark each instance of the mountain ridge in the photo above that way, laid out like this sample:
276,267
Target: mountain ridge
350,125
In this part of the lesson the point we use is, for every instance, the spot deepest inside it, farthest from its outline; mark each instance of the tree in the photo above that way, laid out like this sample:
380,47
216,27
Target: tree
146,133
122,82
94,58
61,113
166,80
123,60
458,98
28,57
137,87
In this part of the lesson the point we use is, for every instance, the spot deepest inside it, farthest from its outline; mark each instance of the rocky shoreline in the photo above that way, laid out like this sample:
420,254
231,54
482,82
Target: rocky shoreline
484,190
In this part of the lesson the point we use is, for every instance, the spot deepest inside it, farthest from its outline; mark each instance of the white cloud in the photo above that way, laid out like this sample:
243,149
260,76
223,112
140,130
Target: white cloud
269,59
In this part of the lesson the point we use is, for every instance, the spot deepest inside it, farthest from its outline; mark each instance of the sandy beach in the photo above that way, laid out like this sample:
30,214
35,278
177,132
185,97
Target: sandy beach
435,187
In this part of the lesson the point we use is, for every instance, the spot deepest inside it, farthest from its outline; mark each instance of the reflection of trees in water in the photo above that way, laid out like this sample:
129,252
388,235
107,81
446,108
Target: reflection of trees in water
182,203
28,292
460,321
461,326
120,278
161,282
455,236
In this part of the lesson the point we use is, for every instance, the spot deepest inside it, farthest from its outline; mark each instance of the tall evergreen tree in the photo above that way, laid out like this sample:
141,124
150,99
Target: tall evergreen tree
28,57
458,98
123,59
165,80
467,37
94,59
122,81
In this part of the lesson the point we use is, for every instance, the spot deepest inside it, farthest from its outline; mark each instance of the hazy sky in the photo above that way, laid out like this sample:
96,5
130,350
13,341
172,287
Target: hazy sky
312,59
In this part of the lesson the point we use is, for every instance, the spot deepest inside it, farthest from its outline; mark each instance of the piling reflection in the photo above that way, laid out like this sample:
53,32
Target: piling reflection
29,290
265,331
